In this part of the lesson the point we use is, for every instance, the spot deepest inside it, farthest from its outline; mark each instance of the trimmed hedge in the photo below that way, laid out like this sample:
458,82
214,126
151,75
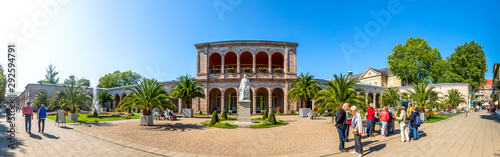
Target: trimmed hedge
272,118
214,119
224,114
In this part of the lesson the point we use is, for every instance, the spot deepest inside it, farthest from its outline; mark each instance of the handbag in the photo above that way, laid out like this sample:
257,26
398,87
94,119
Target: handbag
349,122
355,130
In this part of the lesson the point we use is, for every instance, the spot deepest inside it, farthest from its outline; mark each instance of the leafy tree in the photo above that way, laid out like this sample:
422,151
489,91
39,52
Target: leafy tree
422,95
454,97
467,65
72,97
3,84
416,61
340,90
304,88
391,97
41,98
187,89
118,79
147,95
80,82
51,76
104,97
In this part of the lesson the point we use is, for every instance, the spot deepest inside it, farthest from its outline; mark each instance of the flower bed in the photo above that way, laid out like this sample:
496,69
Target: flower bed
266,124
224,125
105,115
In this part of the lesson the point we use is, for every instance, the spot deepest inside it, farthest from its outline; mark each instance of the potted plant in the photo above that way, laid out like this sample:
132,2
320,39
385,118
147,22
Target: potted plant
231,70
147,95
303,88
246,69
187,89
215,70
278,71
263,69
73,96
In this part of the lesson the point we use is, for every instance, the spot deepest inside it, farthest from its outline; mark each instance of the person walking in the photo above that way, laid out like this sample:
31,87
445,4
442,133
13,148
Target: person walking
413,123
402,125
28,116
465,110
384,118
357,129
408,113
42,114
341,125
7,113
370,121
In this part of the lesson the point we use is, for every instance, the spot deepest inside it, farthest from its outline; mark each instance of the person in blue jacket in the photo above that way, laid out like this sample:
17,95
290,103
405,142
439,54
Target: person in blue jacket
413,119
42,114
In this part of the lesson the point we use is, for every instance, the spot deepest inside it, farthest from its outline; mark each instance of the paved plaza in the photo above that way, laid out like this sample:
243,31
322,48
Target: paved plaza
476,135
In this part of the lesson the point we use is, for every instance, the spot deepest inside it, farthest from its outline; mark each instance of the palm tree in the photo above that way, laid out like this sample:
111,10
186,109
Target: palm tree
41,98
304,88
340,90
147,95
391,97
187,89
454,97
104,97
422,95
72,97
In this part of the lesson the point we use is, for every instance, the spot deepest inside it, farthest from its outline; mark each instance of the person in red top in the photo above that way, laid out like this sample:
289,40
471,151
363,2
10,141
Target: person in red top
371,121
28,116
384,117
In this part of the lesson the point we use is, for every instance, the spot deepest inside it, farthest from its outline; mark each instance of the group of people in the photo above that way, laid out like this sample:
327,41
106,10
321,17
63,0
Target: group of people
167,114
28,116
408,119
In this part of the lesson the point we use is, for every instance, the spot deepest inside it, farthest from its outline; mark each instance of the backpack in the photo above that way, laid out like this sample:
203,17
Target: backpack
418,121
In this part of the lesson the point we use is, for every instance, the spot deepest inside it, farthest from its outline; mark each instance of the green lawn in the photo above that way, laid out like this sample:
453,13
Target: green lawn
83,118
207,123
268,126
437,118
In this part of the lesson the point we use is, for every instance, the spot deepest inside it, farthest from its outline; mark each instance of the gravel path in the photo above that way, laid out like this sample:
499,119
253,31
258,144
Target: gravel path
187,135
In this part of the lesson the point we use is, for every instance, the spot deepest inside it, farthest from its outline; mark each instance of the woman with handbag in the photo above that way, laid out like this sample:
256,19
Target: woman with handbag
403,120
357,130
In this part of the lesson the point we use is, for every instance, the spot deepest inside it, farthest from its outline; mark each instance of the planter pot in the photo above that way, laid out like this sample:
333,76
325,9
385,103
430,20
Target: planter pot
423,116
392,109
72,116
146,120
453,110
187,112
303,112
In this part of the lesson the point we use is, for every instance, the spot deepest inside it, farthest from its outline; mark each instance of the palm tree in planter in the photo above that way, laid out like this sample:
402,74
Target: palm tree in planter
104,97
187,89
41,98
391,97
303,88
147,95
423,96
340,90
73,96
454,97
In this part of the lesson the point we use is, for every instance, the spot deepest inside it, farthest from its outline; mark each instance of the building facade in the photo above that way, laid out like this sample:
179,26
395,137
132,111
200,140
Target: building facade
484,92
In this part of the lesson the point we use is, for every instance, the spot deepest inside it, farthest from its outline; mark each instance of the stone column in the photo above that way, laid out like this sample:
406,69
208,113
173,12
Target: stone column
222,101
238,65
285,61
269,63
254,65
180,106
366,98
254,103
270,101
374,99
222,66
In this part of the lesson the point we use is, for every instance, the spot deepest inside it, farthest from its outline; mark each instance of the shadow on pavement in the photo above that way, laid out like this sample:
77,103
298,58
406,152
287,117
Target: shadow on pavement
374,148
50,136
35,136
65,127
492,117
365,143
175,127
89,124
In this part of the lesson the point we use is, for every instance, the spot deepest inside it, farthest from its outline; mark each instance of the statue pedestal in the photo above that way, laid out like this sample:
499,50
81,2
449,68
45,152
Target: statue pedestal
244,112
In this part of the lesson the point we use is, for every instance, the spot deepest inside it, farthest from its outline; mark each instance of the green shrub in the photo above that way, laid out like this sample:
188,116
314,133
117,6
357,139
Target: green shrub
128,117
291,112
264,116
214,119
224,115
264,123
118,110
398,113
201,112
272,118
95,113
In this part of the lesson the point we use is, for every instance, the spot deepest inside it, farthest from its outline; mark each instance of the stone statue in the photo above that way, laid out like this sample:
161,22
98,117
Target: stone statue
244,89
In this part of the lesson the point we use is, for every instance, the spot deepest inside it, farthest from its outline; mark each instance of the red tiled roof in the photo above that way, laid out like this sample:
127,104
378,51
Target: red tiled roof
488,84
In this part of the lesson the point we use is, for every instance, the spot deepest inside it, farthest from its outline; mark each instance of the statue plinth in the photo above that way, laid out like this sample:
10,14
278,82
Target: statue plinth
244,112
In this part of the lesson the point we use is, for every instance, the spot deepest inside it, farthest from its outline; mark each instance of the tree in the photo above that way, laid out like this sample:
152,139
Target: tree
340,90
454,97
422,95
79,82
147,95
72,97
467,65
416,61
50,77
41,98
104,97
391,97
187,89
272,118
118,79
214,119
3,84
303,88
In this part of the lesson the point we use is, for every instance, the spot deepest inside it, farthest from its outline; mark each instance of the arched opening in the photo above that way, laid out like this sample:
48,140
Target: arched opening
246,62
231,100
230,62
262,62
262,100
277,62
278,100
377,98
215,100
215,63
370,99
117,100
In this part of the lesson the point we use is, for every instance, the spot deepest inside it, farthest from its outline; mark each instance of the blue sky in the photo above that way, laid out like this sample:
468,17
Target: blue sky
156,38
